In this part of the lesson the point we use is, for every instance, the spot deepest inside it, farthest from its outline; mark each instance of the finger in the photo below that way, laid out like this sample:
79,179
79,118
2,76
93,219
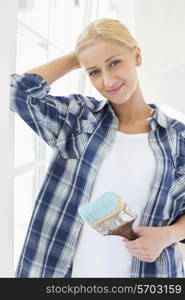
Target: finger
124,239
138,253
140,231
131,246
141,256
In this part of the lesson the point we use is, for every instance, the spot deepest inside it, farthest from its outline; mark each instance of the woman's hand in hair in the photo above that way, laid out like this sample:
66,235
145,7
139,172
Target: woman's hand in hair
75,61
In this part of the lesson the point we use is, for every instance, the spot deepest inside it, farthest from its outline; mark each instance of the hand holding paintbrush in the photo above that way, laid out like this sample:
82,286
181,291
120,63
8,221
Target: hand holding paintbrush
109,215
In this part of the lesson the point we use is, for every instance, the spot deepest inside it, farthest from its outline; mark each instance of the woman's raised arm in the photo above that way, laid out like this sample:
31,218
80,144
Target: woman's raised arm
57,68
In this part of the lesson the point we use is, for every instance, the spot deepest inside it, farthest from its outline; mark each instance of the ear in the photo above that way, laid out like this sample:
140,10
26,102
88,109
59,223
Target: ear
138,58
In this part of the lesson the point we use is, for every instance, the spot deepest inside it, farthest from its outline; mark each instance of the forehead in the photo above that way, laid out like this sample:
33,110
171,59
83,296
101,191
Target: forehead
101,50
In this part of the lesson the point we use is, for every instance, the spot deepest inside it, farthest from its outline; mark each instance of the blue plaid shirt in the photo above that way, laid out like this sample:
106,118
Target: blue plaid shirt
81,130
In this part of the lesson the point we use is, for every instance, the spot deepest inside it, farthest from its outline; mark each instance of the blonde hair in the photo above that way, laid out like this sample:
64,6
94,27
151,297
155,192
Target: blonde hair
108,29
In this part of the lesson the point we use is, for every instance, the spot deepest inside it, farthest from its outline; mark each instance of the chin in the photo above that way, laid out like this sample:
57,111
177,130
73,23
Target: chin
118,101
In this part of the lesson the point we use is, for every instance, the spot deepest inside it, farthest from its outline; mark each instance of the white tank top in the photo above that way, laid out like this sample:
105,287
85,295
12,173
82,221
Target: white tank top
128,170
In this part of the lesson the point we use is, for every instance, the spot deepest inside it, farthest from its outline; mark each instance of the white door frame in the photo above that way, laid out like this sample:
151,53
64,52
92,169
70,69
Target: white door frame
8,25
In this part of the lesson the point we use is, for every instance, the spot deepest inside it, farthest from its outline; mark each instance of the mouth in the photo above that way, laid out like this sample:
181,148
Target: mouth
116,90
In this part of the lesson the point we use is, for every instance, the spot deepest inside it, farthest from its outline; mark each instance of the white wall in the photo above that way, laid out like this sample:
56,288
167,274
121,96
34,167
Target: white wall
8,11
159,27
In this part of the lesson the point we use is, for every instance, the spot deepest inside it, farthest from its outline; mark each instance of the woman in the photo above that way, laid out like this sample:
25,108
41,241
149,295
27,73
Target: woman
120,144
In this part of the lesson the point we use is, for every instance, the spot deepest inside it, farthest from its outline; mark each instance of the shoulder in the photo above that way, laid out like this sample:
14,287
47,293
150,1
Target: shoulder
172,121
176,134
178,126
90,103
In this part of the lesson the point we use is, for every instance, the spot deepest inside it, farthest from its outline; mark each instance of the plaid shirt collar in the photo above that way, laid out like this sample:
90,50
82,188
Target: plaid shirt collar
158,116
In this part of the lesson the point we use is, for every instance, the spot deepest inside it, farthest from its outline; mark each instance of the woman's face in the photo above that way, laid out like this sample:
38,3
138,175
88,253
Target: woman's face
112,69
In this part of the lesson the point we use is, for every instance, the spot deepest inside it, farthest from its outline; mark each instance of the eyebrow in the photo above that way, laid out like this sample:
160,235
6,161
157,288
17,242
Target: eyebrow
105,61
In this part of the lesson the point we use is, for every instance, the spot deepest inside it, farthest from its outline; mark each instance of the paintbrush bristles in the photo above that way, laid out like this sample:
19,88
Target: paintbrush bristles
101,209
109,215
120,207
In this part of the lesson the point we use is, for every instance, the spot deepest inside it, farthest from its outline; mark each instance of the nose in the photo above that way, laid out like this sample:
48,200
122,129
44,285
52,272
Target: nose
109,81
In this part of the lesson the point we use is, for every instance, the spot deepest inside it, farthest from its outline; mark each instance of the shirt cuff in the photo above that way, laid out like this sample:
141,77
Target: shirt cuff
31,83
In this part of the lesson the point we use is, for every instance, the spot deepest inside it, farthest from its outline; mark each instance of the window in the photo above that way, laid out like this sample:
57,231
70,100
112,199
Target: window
41,37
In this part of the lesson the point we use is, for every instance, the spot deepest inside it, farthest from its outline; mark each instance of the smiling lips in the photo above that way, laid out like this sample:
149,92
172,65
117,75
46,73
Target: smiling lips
116,90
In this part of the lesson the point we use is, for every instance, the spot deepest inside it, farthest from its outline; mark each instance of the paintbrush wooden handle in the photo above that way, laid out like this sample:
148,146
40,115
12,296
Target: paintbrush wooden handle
125,231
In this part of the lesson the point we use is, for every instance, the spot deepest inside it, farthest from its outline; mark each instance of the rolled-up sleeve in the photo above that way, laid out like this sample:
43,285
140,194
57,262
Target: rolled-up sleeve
30,99
64,122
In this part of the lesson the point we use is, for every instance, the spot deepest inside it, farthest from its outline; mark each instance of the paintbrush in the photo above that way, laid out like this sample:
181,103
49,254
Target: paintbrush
109,215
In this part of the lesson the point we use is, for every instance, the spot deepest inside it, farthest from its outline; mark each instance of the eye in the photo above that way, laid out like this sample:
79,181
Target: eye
93,73
115,62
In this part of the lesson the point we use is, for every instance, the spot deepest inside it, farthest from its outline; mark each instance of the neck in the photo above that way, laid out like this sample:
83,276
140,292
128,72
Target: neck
133,111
